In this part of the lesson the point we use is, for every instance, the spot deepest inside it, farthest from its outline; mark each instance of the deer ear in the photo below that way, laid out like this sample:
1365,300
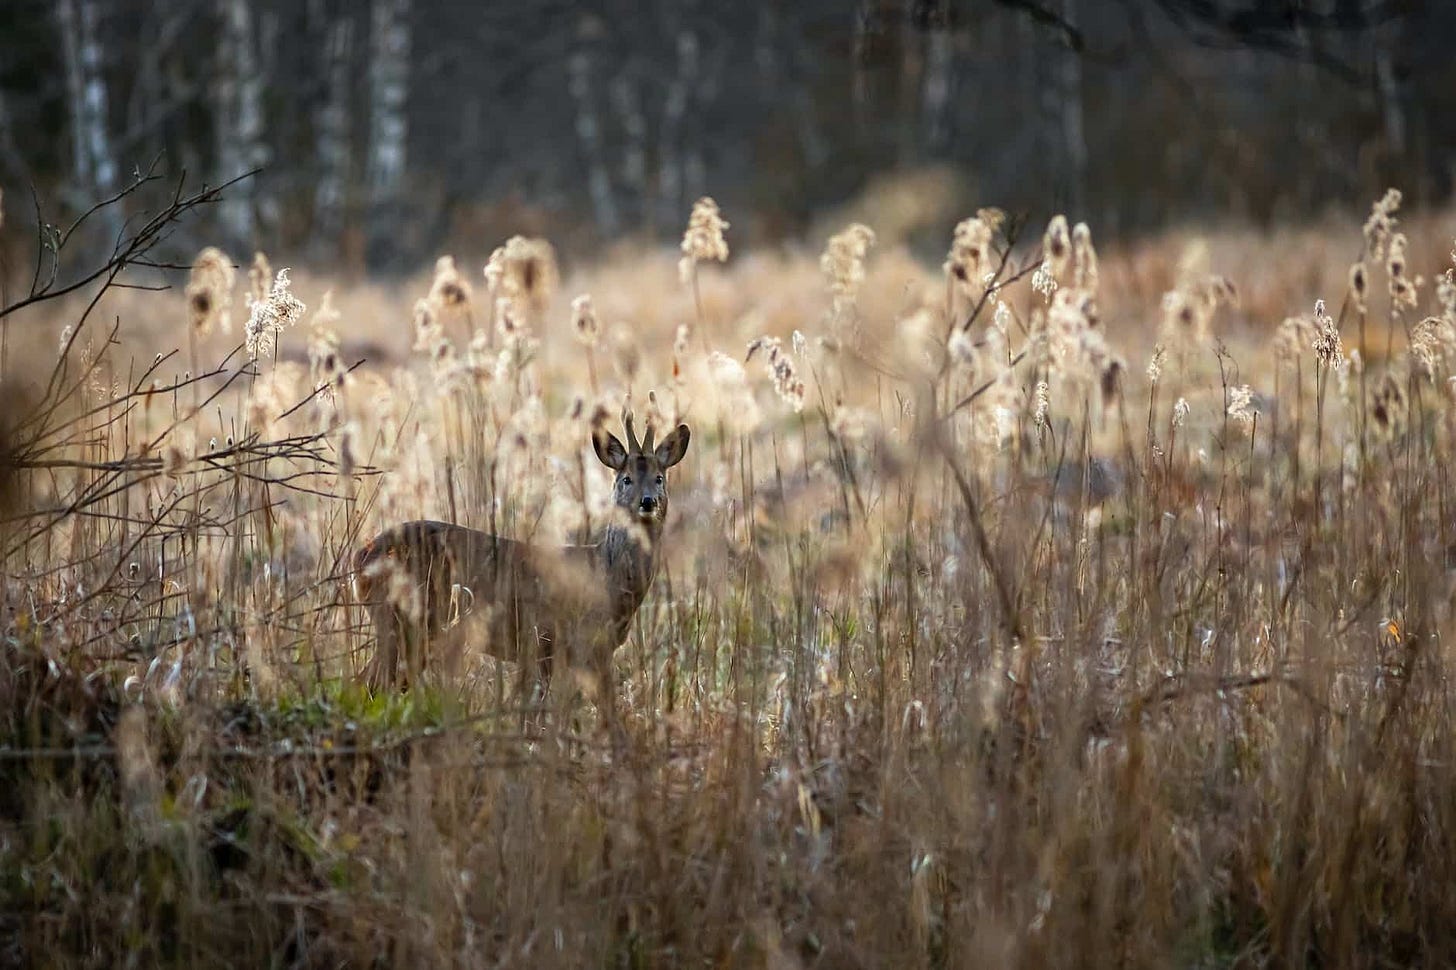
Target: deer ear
611,451
673,447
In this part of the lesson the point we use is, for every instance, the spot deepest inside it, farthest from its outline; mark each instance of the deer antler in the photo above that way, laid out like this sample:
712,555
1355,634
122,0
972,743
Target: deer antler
633,447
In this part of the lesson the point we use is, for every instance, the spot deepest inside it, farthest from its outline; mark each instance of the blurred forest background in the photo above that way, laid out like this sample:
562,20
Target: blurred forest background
388,131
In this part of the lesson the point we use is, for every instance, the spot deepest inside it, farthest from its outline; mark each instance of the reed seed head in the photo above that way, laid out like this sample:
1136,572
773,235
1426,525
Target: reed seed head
1389,407
584,323
1084,259
270,316
1241,405
523,271
1402,287
969,259
1057,248
703,241
1381,224
842,262
210,291
781,369
1359,287
260,277
449,291
1155,364
1327,346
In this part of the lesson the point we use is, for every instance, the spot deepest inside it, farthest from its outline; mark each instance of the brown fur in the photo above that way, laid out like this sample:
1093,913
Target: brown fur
531,604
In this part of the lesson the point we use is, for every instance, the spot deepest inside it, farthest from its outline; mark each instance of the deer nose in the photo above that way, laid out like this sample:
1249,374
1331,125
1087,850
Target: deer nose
649,503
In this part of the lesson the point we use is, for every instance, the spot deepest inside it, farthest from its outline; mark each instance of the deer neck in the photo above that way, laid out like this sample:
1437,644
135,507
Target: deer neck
627,558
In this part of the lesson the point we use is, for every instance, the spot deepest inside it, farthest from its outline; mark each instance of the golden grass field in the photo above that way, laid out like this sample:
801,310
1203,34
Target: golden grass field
1045,608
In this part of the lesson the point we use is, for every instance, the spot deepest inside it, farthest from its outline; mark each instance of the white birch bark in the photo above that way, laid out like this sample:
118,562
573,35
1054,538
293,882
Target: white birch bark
670,201
239,120
627,103
939,71
766,49
93,166
388,120
589,130
859,54
332,133
695,134
1062,140
1392,110
910,97
1074,137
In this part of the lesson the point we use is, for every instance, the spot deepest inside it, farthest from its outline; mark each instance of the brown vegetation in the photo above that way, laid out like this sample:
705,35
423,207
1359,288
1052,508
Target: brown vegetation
1046,610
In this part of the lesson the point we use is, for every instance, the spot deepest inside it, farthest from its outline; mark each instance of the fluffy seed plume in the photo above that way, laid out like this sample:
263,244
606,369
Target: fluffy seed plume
260,278
1433,342
703,240
843,262
1001,317
1084,259
781,369
1042,401
1188,311
962,349
1446,290
428,332
1057,248
584,321
1241,405
1327,346
680,354
524,272
1389,407
969,259
1294,336
270,316
325,365
1043,280
1381,224
1359,287
1402,287
1155,364
210,291
449,291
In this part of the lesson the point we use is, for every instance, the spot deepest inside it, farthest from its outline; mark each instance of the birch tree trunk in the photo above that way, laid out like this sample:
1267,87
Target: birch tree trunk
589,126
93,166
1392,107
389,52
239,120
766,59
1074,137
1059,90
696,136
913,41
939,78
627,103
859,55
332,135
670,202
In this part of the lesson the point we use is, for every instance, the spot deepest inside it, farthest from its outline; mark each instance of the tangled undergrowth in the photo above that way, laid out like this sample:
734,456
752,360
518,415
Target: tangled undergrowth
998,627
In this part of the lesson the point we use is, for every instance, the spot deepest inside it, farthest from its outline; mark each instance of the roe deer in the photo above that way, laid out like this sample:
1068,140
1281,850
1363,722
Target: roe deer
538,602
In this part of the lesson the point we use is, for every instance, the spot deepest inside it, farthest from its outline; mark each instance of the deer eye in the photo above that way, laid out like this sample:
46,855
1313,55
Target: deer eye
659,479
627,480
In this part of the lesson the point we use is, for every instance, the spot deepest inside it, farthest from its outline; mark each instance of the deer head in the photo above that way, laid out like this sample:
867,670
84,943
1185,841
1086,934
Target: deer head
641,482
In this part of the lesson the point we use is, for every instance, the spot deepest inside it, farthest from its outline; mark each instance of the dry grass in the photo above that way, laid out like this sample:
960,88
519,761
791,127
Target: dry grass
994,653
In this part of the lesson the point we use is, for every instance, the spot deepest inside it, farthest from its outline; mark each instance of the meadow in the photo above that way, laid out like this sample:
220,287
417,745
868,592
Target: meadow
1042,608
